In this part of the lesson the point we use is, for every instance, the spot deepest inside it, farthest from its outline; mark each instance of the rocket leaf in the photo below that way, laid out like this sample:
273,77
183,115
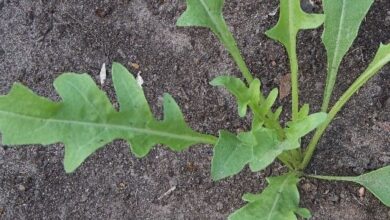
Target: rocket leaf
259,147
208,14
243,94
85,120
279,201
342,22
291,20
377,182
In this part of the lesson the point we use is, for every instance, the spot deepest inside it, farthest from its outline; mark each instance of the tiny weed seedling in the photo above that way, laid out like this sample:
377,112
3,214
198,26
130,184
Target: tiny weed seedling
85,120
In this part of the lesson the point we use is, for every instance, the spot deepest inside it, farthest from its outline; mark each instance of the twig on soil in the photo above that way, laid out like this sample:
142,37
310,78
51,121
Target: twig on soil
167,193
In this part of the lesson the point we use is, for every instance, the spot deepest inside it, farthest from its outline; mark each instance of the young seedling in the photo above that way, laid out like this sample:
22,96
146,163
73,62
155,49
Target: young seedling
85,120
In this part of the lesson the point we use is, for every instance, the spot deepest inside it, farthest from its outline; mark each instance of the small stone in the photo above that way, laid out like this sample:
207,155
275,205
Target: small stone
308,187
135,65
319,86
273,63
219,206
21,187
104,11
384,159
121,186
334,198
362,192
387,20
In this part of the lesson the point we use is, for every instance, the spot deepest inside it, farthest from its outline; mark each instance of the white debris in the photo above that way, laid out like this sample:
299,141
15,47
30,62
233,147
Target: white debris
140,81
103,74
273,12
167,193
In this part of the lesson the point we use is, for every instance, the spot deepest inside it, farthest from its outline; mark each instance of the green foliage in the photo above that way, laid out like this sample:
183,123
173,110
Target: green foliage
259,147
208,14
291,20
85,120
342,22
244,95
376,182
382,57
279,201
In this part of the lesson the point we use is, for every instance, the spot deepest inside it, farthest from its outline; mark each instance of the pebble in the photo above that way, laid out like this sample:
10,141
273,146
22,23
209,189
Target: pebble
21,187
334,198
384,159
219,206
135,65
362,192
387,20
308,187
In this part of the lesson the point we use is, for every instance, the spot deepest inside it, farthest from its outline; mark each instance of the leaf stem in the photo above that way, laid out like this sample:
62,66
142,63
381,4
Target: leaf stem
373,68
209,139
292,53
336,178
231,45
330,82
269,123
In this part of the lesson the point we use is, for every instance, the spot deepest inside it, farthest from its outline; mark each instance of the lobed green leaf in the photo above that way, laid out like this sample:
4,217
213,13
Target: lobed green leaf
259,147
291,20
85,120
279,201
203,13
244,95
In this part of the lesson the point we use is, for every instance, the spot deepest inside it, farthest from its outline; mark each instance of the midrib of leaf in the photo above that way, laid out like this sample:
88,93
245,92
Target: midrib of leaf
341,24
290,25
332,68
292,54
277,198
213,20
206,140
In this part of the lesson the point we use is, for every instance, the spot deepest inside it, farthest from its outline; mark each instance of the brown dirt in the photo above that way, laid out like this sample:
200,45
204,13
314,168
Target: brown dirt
41,39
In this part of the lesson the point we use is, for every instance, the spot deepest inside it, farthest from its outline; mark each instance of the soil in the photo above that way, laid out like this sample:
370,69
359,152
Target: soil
41,39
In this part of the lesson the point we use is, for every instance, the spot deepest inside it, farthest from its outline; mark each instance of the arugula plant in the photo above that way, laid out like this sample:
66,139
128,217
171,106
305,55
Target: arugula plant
85,120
